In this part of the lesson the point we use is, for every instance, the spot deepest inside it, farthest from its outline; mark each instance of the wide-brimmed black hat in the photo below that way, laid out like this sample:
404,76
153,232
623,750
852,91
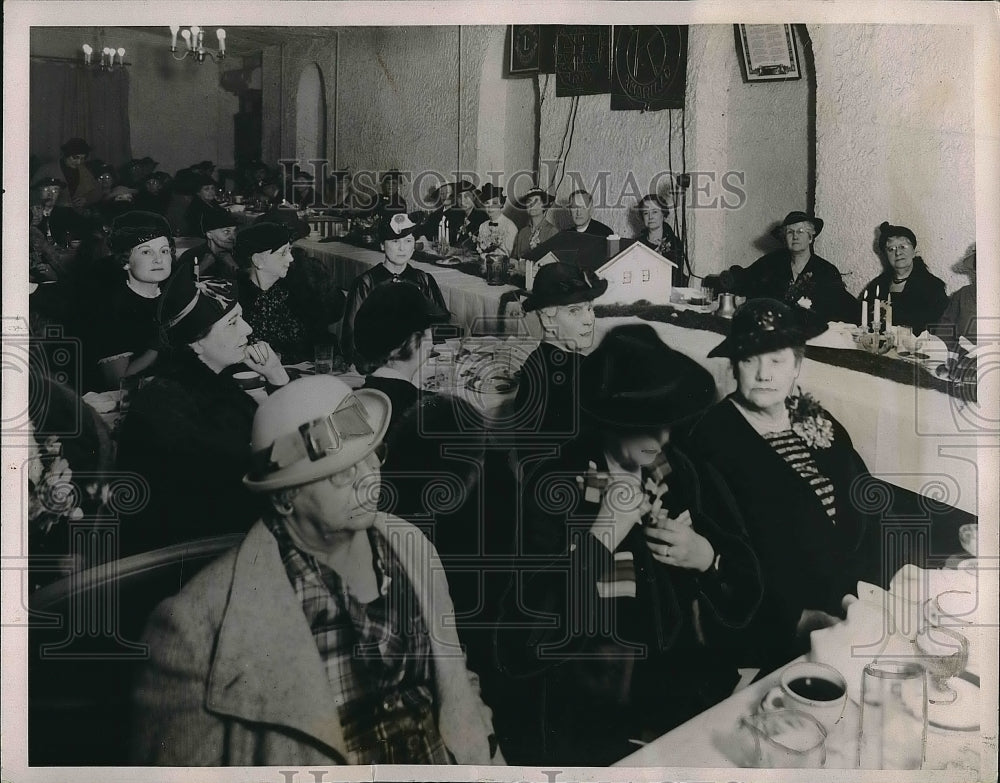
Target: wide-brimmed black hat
50,182
545,196
634,380
763,325
259,238
489,191
75,146
190,306
399,225
886,230
288,217
389,315
133,228
563,284
798,217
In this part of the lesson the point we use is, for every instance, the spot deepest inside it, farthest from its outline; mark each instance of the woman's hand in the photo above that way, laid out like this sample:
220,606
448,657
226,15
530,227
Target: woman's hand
620,505
675,543
263,359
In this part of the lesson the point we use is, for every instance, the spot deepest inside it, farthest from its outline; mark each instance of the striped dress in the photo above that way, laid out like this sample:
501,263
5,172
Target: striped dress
793,449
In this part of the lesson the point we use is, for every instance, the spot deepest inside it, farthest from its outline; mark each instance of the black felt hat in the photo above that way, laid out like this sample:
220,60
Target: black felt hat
75,146
886,230
389,315
259,238
399,225
563,284
190,306
763,325
135,227
634,380
50,182
545,196
212,219
489,191
798,217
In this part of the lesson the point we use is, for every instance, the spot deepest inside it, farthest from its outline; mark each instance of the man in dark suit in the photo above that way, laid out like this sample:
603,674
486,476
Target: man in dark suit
581,207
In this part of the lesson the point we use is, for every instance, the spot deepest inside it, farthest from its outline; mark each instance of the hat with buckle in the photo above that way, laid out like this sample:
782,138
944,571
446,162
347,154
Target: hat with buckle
133,228
563,284
634,380
798,217
389,315
764,325
396,227
190,306
312,428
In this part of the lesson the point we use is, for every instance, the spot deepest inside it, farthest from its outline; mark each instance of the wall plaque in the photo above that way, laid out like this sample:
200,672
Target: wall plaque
649,69
583,60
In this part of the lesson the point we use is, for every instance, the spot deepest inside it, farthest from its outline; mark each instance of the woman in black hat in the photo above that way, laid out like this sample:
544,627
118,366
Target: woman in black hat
154,193
398,237
121,337
187,432
81,189
498,230
918,297
205,202
469,216
645,560
794,274
791,467
536,203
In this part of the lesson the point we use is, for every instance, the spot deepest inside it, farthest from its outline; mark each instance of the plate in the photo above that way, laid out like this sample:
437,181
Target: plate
450,261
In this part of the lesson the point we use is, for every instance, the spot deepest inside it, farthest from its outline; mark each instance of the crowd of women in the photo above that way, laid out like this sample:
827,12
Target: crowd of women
632,539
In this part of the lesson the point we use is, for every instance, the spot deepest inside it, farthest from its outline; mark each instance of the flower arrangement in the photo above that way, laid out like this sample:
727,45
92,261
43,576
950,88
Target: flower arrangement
809,421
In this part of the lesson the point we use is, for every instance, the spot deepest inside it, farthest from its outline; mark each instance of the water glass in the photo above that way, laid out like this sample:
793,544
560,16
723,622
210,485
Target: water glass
786,739
893,716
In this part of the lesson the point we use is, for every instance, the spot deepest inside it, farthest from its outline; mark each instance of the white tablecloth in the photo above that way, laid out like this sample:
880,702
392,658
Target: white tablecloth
473,302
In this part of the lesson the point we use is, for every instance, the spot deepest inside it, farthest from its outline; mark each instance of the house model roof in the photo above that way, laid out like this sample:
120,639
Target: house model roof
636,250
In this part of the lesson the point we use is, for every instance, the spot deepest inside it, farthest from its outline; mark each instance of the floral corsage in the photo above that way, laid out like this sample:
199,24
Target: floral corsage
809,421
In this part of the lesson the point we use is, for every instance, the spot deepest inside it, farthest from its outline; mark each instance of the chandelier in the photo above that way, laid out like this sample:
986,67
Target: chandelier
194,43
111,58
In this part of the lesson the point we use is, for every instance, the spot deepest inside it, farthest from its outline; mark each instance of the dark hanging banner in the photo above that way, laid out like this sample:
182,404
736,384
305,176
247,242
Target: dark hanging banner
531,49
583,60
649,67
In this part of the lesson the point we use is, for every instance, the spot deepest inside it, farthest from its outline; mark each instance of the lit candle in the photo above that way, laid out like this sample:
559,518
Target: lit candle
121,55
877,314
88,50
186,35
173,36
221,35
864,310
196,38
105,56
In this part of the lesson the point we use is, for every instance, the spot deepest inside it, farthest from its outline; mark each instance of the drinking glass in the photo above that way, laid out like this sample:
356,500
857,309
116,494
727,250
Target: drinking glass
323,359
893,716
786,738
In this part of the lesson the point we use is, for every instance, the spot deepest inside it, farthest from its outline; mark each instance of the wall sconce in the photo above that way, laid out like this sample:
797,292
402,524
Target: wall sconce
194,44
110,58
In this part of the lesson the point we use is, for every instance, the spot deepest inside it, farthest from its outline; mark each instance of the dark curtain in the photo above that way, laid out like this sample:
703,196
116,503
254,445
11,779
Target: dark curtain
69,100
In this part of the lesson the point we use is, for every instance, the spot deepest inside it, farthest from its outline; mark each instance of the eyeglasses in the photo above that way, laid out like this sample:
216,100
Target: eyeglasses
316,439
897,248
792,232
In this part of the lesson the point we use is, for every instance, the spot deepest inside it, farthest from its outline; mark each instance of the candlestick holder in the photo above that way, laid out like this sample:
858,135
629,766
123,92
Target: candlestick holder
876,342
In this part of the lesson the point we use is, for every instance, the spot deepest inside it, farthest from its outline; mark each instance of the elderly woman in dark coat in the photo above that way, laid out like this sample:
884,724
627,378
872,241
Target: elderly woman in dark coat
641,559
918,297
791,467
187,431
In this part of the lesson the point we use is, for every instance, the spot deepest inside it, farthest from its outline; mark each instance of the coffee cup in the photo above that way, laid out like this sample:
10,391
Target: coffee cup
248,380
814,688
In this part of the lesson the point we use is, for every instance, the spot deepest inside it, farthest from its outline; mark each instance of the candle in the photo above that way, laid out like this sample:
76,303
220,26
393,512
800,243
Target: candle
186,35
87,51
221,35
173,36
121,55
864,310
888,312
877,314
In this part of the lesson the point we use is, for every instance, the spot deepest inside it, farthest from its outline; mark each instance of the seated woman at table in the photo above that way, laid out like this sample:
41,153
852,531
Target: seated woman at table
918,297
794,274
498,230
120,335
791,467
397,236
187,431
215,255
467,218
205,202
536,203
154,193
611,640
289,323
654,210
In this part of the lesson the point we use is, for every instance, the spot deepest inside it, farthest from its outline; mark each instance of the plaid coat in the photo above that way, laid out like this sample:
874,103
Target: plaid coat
234,677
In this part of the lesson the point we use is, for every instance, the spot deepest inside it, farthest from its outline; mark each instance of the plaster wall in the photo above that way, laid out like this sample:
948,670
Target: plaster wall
895,141
178,112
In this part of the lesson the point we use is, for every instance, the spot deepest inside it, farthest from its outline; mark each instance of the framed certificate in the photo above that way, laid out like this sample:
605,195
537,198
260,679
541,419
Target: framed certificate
767,52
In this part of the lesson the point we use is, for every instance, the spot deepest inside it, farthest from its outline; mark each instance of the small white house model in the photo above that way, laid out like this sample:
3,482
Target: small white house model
637,273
